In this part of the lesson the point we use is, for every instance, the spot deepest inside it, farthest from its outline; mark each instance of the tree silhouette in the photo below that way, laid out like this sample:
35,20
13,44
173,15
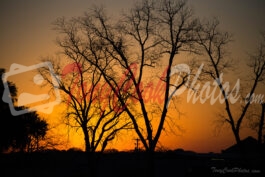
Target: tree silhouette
21,132
255,118
12,89
130,52
214,43
90,105
256,114
36,130
6,139
27,130
125,53
257,63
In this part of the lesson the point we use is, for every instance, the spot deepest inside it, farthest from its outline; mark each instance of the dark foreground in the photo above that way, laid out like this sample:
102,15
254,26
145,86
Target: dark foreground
125,164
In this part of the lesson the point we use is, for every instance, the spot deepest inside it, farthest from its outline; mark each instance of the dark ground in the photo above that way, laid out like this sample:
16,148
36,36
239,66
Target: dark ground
125,164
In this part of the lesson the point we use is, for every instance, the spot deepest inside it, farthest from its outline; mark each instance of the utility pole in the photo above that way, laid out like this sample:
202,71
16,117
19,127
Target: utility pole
137,144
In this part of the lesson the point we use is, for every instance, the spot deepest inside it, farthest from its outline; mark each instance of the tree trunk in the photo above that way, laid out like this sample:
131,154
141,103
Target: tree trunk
86,137
241,148
261,123
237,137
91,159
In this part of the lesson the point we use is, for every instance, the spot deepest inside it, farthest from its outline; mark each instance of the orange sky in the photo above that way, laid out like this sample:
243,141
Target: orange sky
26,35
197,124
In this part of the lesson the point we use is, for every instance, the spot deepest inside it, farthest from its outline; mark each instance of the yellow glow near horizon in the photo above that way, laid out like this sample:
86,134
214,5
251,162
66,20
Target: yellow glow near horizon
196,134
192,130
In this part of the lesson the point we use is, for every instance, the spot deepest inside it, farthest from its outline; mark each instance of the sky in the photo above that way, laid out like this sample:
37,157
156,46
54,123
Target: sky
26,35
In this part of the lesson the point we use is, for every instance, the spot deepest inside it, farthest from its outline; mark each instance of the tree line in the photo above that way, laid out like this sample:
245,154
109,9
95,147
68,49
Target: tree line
19,133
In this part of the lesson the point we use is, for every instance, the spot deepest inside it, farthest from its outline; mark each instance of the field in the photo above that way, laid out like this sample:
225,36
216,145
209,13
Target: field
130,164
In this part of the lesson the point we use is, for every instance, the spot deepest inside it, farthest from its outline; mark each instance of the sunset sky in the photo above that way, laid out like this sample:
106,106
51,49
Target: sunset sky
26,35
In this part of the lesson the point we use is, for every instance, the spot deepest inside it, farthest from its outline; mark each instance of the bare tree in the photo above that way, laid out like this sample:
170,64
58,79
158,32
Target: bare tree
130,51
257,62
256,115
214,43
89,104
